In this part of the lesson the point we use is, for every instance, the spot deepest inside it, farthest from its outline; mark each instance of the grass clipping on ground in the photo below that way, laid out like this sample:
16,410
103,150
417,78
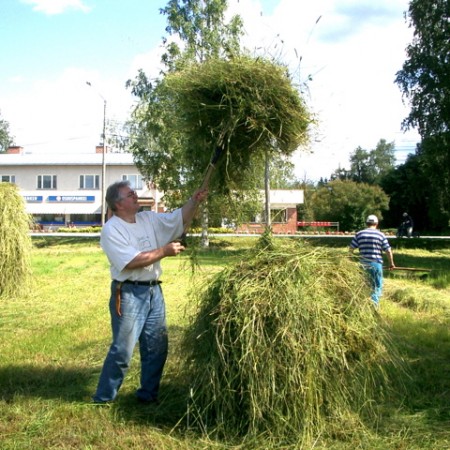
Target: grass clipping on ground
287,344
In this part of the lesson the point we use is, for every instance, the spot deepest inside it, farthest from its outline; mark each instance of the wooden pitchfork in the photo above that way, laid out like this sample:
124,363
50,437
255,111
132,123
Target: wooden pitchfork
204,185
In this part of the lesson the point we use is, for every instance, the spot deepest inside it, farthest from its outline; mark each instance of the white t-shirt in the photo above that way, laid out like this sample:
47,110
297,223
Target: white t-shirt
123,241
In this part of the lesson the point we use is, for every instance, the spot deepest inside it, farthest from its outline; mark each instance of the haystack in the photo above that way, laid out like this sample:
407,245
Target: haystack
15,243
286,344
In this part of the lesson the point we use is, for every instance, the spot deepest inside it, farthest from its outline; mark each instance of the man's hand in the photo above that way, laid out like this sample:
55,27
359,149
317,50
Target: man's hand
173,248
200,195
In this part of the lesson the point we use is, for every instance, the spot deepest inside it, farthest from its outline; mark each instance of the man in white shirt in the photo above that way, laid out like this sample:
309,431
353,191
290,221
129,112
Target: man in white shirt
135,242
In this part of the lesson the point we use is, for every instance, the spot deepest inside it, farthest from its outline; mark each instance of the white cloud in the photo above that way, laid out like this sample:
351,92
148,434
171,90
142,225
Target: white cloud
52,7
65,114
345,53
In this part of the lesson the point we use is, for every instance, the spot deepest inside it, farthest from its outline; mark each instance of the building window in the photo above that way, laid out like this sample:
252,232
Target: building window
278,215
89,181
8,178
46,182
136,181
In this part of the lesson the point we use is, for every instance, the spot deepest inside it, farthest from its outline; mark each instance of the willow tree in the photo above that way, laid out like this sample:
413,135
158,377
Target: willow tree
15,243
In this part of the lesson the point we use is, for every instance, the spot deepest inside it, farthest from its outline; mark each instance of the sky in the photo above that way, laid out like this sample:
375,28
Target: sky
342,54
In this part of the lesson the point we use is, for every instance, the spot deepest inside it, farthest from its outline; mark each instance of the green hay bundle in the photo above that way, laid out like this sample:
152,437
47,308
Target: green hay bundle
244,106
15,243
287,344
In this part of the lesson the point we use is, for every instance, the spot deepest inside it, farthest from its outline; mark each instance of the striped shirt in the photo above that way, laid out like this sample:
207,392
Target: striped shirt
371,243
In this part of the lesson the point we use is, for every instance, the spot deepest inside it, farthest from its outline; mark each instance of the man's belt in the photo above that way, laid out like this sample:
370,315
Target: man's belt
136,283
140,283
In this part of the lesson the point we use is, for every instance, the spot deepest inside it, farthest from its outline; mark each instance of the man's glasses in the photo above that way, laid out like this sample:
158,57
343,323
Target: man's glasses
130,194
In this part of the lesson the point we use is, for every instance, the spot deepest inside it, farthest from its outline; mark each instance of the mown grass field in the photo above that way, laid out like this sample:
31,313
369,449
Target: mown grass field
54,342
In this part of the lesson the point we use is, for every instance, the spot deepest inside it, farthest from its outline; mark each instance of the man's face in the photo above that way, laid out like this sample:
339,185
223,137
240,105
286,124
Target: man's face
128,200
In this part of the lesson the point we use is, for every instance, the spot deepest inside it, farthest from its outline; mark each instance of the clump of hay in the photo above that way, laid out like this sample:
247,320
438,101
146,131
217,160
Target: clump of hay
15,243
244,107
287,344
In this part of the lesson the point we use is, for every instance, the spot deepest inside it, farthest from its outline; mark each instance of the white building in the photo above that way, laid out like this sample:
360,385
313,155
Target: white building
66,189
62,189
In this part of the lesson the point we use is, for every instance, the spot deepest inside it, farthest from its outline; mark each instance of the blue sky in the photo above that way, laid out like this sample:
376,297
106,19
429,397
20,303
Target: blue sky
349,49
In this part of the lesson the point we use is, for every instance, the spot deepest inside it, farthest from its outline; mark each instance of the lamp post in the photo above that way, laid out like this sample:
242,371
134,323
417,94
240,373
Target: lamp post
103,158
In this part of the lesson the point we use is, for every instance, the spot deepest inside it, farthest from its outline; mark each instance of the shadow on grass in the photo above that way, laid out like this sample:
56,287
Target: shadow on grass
46,241
173,394
170,413
46,382
420,243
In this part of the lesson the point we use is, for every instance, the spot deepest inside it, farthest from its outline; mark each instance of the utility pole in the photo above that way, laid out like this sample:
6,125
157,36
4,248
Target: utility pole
103,158
267,190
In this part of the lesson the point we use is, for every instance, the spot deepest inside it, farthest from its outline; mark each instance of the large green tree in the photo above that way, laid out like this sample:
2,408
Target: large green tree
202,30
6,139
348,203
210,95
408,189
369,166
202,33
425,82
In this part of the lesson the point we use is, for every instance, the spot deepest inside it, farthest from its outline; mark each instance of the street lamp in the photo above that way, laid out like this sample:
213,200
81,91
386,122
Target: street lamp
103,157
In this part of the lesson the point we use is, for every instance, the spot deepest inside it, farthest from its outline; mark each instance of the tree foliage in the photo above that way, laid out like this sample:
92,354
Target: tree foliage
203,32
158,147
210,95
408,189
6,139
425,82
369,166
348,203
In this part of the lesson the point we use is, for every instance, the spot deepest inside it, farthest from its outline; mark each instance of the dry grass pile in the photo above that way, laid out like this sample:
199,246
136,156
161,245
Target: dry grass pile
241,106
286,344
15,243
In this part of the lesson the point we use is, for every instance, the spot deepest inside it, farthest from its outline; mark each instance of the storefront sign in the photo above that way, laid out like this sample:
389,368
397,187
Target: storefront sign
71,198
33,198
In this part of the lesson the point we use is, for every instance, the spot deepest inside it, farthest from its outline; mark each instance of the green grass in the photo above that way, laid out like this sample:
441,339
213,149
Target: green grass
54,342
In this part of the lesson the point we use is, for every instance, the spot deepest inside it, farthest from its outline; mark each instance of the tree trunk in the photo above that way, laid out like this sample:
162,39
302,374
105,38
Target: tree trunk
267,191
204,242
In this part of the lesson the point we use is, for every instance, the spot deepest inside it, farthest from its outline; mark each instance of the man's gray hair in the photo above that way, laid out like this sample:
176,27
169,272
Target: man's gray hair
113,193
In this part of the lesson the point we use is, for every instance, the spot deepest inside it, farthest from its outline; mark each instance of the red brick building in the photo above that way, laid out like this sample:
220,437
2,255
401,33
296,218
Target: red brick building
283,213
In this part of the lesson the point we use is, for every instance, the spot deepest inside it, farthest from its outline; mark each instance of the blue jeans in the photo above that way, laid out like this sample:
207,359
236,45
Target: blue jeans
375,271
143,319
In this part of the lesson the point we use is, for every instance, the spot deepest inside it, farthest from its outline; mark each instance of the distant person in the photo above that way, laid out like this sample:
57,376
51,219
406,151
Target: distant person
135,243
407,226
371,244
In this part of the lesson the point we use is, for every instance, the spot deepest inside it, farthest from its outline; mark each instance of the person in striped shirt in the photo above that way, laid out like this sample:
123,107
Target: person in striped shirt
371,244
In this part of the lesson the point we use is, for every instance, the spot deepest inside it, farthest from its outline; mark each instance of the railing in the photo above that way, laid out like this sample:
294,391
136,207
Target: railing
318,224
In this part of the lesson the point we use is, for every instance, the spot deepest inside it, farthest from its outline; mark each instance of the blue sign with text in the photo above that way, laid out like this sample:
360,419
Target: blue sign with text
71,198
33,198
